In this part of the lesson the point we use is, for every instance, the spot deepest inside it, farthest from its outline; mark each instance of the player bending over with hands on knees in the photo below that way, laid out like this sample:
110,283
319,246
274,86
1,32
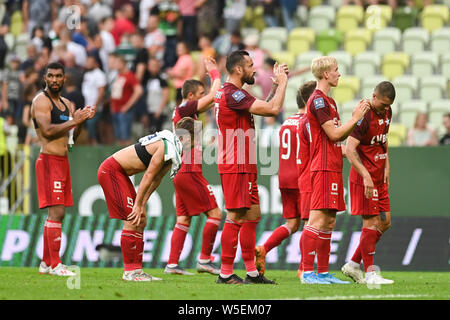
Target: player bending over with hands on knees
154,155
367,152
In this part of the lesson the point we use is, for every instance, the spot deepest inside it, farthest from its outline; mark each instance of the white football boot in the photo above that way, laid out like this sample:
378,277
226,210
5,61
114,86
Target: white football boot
353,273
61,270
44,268
138,275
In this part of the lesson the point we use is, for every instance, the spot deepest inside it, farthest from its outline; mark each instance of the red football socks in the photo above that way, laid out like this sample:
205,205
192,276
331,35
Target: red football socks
323,251
208,237
358,256
132,244
52,243
177,242
229,242
247,238
277,236
309,247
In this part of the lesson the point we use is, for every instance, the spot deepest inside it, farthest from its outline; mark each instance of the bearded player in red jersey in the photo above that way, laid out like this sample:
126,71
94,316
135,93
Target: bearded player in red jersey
327,193
290,188
367,152
193,193
237,162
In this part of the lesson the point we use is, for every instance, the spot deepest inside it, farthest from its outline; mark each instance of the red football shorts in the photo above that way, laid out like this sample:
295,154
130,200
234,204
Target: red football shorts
193,194
240,190
305,204
291,203
54,186
360,205
117,187
327,191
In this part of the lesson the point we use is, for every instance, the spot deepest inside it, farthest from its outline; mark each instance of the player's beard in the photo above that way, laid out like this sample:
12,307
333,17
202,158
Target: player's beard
249,79
55,90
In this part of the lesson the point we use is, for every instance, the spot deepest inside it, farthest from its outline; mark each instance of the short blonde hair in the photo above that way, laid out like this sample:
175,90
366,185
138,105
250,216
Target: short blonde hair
321,64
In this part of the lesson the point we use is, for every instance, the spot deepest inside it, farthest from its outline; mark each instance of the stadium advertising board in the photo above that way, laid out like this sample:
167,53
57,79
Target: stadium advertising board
411,243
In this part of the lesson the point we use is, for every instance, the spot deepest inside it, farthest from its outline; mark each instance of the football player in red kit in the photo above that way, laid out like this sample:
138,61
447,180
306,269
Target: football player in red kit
192,191
367,152
290,160
327,194
234,109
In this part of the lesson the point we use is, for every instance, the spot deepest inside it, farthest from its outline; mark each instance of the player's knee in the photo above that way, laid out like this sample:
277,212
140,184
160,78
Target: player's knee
293,225
214,213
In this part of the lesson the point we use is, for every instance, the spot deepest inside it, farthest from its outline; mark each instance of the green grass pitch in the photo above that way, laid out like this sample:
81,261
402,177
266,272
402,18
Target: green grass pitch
106,284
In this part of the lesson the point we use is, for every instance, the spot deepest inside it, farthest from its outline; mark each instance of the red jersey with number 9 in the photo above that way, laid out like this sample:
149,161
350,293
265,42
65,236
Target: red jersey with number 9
326,155
303,162
287,177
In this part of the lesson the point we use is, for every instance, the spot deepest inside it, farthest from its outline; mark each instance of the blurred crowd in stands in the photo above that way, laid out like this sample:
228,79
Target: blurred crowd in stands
130,58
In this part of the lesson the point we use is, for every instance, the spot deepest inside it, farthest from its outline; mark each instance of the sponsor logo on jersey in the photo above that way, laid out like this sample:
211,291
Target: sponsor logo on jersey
63,117
319,103
380,122
238,96
218,94
387,122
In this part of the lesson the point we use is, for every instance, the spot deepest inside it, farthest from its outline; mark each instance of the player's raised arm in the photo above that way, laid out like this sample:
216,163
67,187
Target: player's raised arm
206,102
42,113
274,104
342,132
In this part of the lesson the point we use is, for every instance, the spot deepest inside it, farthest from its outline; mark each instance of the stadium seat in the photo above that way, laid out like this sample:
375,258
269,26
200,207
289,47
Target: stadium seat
437,110
344,60
335,3
377,17
445,65
290,99
305,59
301,16
424,63
405,87
434,17
397,134
328,40
369,83
432,87
409,110
357,40
386,40
284,56
300,40
394,64
346,90
405,17
271,45
366,63
440,40
248,31
415,40
349,17
273,39
321,18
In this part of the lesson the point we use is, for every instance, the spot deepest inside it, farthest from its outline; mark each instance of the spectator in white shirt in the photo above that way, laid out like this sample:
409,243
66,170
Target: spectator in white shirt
93,89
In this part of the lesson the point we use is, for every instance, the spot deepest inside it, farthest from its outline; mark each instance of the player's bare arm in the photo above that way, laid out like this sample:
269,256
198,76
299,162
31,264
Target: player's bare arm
155,166
206,102
41,111
340,133
273,106
387,168
355,161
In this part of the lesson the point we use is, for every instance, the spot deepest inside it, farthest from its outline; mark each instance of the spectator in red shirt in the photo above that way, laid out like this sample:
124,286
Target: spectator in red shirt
125,91
123,23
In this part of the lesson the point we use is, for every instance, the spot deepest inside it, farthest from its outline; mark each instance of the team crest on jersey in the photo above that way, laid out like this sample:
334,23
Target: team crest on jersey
380,122
387,122
238,96
319,103
218,94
